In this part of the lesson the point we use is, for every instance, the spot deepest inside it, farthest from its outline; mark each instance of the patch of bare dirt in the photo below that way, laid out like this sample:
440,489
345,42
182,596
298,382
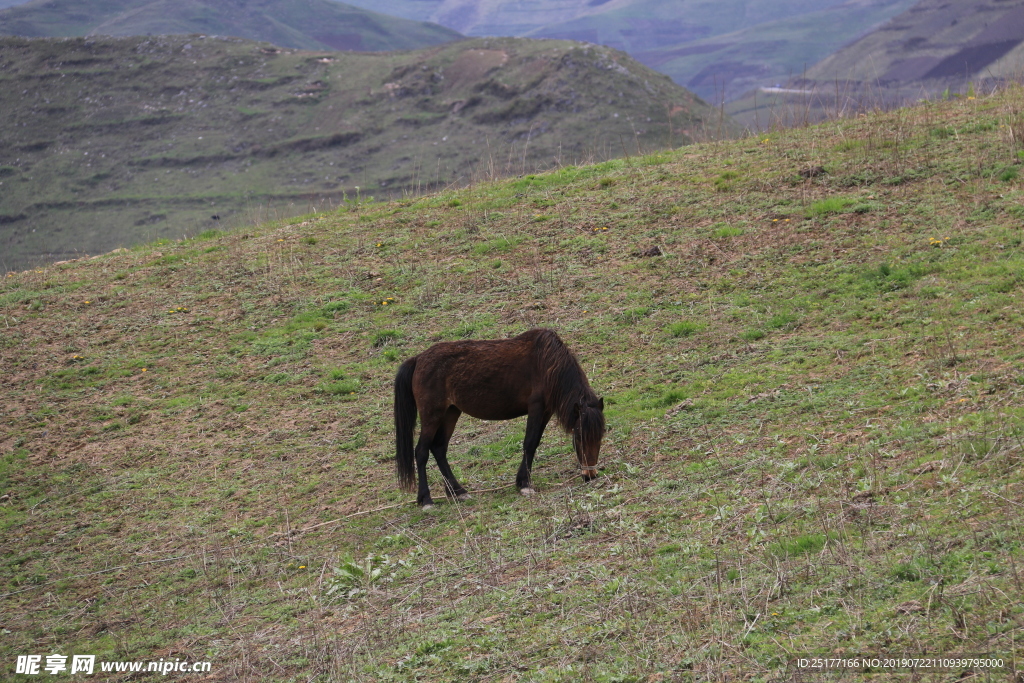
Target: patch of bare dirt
471,66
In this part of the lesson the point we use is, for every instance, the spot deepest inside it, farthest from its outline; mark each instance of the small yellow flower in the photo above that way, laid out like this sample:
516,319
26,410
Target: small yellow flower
88,302
302,566
143,369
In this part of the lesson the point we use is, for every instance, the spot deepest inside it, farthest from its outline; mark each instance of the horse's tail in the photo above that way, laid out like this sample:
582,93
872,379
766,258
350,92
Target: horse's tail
405,423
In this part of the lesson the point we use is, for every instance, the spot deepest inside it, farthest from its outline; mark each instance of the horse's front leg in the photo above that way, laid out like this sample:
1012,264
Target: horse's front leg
536,421
440,451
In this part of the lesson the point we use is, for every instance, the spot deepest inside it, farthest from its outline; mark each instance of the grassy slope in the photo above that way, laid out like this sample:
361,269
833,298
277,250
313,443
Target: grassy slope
303,24
109,142
814,403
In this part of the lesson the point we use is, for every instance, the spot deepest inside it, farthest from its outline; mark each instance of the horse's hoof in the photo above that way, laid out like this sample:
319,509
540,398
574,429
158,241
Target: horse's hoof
427,508
527,491
464,496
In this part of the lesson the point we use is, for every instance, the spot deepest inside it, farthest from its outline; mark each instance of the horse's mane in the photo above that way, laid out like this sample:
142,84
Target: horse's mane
566,388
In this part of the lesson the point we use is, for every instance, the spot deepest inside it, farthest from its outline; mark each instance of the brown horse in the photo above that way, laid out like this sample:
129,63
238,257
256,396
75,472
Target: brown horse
533,374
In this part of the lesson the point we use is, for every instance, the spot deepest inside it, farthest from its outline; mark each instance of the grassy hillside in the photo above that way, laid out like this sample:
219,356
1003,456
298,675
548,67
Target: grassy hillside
303,24
109,142
814,400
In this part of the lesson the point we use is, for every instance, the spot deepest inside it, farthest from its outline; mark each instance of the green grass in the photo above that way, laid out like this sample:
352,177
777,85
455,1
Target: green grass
814,445
828,206
684,328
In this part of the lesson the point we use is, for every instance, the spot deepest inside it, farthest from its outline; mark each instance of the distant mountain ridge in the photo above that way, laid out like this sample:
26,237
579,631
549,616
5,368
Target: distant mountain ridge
716,49
728,65
935,41
302,24
720,50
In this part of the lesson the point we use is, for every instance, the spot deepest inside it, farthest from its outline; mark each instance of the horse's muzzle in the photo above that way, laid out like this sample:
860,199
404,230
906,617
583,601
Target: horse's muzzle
589,472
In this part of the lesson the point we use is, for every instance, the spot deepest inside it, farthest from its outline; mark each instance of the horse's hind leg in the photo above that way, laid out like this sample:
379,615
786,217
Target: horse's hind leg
423,498
440,451
430,426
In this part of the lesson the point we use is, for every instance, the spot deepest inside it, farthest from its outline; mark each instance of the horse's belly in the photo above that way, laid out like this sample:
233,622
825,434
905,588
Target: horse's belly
497,403
484,412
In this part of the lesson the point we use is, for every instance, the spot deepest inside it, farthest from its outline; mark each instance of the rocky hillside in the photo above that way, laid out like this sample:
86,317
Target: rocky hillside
108,142
715,49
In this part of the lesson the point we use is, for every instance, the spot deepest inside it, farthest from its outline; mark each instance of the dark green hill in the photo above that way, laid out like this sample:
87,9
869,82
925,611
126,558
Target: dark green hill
305,24
111,141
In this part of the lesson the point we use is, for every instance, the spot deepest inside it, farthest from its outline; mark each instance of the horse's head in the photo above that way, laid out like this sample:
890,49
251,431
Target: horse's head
587,433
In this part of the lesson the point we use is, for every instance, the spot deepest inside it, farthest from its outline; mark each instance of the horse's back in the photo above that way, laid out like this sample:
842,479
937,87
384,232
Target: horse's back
488,379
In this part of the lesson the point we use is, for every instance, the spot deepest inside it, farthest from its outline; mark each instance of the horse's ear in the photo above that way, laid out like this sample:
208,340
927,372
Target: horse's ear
600,404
